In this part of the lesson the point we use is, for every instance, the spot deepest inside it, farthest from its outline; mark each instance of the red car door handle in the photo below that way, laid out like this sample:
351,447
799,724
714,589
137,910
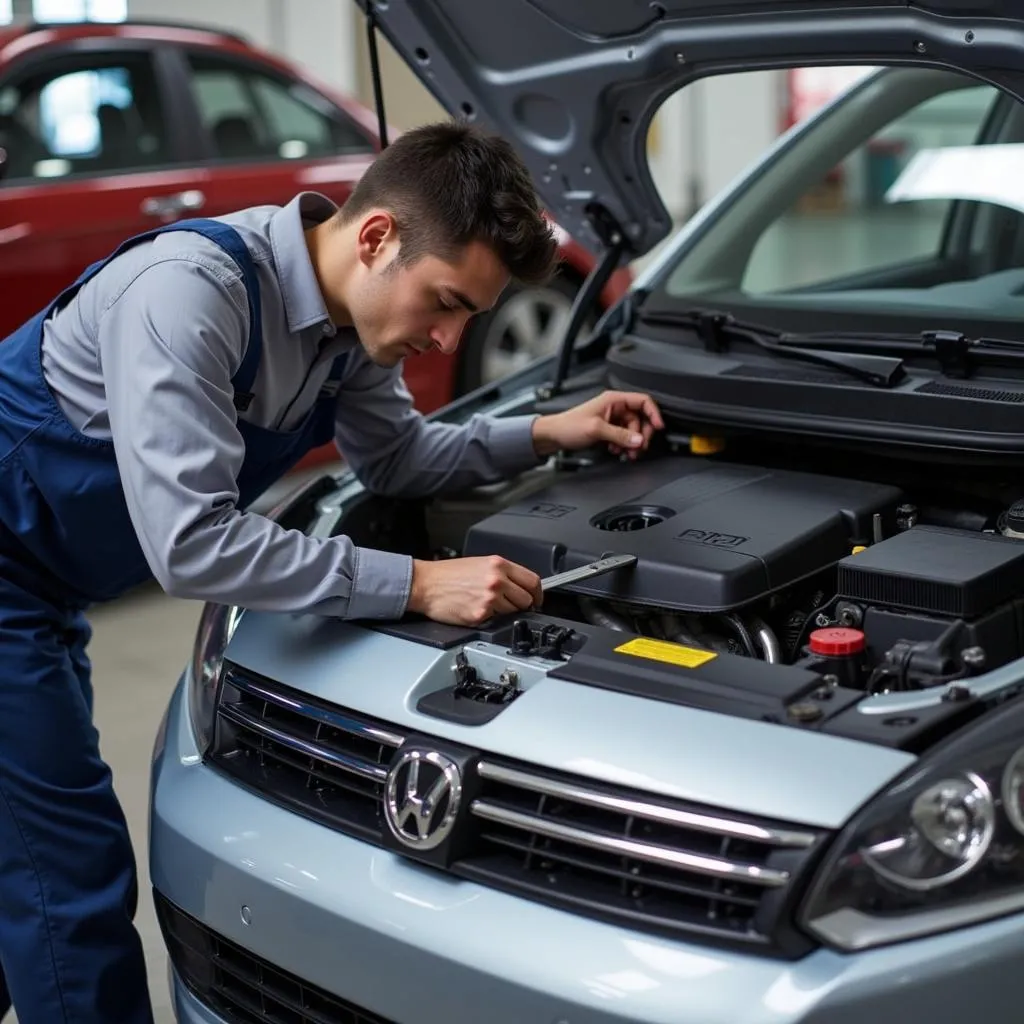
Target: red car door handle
170,206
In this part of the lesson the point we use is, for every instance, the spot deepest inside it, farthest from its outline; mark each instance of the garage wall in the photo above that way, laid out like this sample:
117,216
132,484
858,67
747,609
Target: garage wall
251,18
407,103
707,134
316,33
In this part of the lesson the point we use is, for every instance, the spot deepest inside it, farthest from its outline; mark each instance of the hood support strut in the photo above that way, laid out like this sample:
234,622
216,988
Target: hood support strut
378,87
616,246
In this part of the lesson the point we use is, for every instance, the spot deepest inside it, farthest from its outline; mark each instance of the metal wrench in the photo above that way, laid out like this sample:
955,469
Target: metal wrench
586,572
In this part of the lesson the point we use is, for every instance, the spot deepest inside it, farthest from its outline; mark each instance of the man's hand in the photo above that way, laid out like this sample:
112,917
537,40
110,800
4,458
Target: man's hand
624,420
469,591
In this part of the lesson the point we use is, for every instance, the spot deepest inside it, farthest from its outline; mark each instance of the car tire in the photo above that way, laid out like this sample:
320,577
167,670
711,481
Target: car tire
527,324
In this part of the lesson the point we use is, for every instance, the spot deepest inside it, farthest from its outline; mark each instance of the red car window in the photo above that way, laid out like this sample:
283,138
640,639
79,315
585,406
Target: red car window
252,115
87,114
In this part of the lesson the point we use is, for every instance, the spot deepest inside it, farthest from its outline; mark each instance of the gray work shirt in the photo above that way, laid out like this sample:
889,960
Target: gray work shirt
144,355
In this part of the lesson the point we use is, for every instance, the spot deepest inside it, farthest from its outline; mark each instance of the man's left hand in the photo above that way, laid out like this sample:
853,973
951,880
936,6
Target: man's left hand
623,420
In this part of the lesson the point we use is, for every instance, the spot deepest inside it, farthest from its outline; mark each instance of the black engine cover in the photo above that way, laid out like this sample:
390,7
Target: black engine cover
709,536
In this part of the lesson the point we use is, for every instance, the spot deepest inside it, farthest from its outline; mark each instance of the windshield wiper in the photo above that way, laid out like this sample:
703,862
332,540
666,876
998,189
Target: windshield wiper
718,329
954,351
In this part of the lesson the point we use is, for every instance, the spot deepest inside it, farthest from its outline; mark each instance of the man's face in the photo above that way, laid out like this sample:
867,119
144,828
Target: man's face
405,310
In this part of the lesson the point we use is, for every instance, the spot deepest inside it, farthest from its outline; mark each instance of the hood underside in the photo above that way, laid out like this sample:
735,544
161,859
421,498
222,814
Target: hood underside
573,84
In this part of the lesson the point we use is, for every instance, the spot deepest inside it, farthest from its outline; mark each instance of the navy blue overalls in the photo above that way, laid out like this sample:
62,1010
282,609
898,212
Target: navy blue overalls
68,947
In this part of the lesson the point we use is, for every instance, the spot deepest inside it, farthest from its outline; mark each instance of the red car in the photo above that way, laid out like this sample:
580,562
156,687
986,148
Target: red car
112,129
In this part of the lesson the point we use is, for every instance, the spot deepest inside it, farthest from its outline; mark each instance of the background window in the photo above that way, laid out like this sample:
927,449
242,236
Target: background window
70,108
253,116
81,118
80,10
294,125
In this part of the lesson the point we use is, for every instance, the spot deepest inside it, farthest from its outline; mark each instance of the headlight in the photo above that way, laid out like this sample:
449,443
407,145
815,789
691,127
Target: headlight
941,849
216,625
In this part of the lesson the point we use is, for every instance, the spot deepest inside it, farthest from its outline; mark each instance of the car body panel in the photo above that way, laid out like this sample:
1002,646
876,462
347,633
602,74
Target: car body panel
574,84
50,228
419,947
570,728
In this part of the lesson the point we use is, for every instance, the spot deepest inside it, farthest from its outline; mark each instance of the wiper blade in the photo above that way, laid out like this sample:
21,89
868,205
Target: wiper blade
955,352
717,329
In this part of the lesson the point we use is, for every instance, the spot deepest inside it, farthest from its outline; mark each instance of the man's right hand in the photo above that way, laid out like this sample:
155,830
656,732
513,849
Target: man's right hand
469,591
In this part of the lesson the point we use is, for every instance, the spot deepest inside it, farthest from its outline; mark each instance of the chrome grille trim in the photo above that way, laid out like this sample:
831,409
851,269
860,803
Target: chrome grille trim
335,719
353,765
325,762
642,809
712,867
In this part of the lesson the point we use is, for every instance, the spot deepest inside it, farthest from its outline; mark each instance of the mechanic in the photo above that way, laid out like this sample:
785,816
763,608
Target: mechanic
146,407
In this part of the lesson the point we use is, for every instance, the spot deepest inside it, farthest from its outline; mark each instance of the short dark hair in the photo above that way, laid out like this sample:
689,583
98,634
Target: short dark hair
450,184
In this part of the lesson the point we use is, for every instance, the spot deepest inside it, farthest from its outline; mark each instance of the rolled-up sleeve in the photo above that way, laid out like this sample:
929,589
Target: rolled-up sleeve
170,344
396,451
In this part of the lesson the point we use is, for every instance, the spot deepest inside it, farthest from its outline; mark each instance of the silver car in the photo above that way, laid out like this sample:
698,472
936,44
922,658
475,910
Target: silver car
772,771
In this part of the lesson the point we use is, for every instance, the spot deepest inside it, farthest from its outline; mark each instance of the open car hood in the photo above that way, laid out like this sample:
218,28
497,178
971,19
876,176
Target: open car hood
573,84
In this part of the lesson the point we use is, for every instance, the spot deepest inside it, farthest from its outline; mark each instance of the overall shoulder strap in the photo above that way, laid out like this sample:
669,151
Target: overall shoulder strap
231,242
332,385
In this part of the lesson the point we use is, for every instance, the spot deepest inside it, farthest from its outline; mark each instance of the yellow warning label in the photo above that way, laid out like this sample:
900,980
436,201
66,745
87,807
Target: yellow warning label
661,650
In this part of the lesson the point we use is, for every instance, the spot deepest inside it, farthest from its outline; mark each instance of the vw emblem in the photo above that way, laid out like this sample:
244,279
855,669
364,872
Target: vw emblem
421,798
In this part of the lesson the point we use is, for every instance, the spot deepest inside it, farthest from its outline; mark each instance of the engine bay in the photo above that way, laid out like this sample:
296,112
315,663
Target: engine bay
837,574
777,591
714,541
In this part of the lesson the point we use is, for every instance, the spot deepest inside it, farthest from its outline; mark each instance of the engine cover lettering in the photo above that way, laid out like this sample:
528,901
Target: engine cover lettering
718,540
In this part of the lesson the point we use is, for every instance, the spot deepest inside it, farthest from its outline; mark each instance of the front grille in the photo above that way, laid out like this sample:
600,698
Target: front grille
312,757
642,862
244,988
647,863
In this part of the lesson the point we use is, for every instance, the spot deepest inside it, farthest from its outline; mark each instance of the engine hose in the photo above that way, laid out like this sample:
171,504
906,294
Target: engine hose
766,640
740,629
598,616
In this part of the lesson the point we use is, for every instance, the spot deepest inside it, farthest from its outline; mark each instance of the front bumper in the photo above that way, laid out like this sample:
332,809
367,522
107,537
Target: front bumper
187,1008
415,947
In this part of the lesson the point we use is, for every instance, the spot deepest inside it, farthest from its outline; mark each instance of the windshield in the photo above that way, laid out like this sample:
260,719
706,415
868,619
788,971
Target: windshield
901,209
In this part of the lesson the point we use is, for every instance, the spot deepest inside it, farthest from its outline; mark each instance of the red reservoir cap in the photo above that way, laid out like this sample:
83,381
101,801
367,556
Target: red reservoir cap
836,641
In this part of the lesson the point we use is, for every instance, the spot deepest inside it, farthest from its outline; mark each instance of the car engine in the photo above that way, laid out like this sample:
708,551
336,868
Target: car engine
839,576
